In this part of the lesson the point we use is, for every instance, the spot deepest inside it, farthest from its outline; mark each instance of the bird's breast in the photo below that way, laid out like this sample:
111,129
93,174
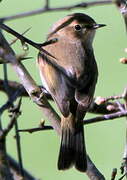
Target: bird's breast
70,55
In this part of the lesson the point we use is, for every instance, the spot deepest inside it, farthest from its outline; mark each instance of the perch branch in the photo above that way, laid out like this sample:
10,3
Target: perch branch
18,90
106,117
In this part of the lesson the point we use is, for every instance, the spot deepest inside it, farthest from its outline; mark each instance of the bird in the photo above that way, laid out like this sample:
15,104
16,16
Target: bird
70,75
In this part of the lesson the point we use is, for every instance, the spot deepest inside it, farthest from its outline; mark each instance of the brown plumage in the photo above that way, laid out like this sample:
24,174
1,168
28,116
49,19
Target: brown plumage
73,86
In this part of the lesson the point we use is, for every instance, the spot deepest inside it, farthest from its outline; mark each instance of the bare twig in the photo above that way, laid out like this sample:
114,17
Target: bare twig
5,173
17,88
122,5
19,57
9,103
15,110
120,106
122,176
14,166
92,172
114,173
42,51
23,39
14,40
101,100
19,152
30,85
46,4
86,122
36,129
49,9
15,114
106,117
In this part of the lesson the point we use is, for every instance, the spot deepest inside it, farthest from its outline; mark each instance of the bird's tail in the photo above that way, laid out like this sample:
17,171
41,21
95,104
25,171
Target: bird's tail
72,149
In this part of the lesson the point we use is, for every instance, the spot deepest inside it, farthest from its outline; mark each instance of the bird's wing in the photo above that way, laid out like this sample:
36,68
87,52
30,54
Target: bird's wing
55,83
85,91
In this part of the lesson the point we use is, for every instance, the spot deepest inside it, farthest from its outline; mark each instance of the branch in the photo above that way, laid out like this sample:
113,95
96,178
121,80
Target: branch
18,89
36,129
122,5
14,166
42,52
93,172
14,40
5,173
15,113
12,98
114,173
29,84
106,117
24,40
49,9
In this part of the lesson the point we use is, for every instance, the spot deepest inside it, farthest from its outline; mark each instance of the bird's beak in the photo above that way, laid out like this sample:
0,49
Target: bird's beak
96,26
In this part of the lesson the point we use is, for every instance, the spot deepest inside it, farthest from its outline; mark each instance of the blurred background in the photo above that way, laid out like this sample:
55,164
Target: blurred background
105,141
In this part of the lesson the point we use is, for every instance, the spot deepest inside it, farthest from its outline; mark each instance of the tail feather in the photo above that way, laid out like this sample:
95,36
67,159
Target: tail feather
72,149
65,160
80,155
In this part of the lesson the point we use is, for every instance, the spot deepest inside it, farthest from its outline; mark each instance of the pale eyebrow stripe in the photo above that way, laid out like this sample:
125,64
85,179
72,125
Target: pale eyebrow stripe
62,26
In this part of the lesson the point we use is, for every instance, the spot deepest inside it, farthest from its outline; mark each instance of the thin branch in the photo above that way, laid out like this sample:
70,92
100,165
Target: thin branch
101,100
14,40
14,166
19,57
19,90
9,103
42,52
120,106
106,117
114,173
36,129
32,89
92,172
23,39
46,4
5,173
49,9
15,113
122,5
19,152
86,122
123,176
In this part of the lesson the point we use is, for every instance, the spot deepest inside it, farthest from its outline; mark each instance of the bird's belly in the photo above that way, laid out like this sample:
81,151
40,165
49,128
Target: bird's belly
75,72
44,82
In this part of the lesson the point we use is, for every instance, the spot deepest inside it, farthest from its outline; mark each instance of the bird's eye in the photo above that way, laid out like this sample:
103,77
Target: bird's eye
78,27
